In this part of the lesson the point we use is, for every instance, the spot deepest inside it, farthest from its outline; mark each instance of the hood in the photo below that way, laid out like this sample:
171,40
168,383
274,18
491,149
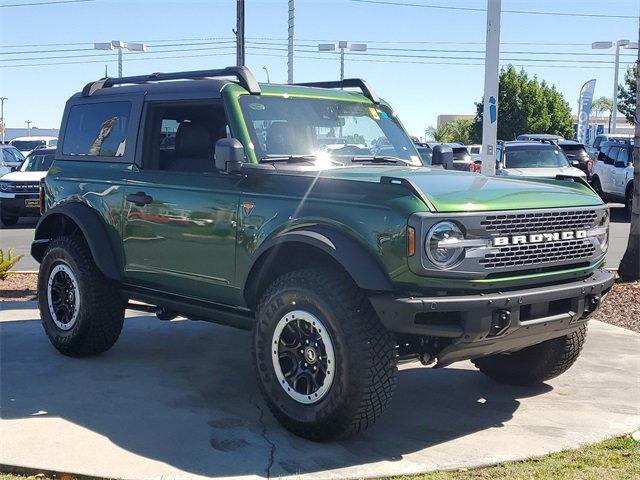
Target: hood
24,176
456,191
550,172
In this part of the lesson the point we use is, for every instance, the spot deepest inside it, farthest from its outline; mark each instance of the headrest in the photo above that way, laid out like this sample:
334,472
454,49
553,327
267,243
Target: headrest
193,140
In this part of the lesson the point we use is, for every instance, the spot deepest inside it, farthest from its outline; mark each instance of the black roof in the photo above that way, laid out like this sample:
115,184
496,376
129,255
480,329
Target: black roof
40,151
209,87
528,143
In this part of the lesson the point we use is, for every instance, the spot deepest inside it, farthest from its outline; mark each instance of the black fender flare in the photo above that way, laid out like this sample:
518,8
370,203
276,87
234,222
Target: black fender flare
357,261
93,228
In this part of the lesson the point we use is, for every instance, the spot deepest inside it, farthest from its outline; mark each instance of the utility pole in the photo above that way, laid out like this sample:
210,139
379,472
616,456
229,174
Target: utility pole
2,99
240,33
29,122
290,43
491,81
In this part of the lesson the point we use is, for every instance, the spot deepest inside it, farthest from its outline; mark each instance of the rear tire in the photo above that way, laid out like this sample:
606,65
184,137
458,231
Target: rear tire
82,312
361,373
535,364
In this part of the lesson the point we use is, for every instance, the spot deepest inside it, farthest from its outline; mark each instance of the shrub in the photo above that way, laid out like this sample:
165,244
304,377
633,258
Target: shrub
6,264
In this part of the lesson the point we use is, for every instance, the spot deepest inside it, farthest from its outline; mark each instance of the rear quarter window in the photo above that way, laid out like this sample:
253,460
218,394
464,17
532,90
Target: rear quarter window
97,129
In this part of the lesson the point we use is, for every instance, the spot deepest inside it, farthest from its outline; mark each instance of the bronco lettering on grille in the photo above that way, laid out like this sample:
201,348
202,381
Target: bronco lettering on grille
539,238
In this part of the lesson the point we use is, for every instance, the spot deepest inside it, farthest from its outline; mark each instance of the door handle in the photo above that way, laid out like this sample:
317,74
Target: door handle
139,199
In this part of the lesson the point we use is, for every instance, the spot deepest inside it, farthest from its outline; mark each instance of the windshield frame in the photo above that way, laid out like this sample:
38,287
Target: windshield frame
255,155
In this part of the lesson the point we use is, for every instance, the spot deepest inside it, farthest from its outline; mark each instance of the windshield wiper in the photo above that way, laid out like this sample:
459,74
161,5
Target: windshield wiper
380,159
289,158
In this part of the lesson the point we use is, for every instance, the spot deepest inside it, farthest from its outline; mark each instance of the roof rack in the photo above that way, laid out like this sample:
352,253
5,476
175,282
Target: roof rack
243,74
367,91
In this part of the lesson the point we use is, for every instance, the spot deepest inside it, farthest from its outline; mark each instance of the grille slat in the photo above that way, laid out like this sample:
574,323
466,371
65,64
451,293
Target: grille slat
539,222
532,255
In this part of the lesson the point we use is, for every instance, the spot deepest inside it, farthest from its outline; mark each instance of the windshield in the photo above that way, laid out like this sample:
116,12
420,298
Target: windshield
12,155
330,129
426,154
534,157
37,163
25,145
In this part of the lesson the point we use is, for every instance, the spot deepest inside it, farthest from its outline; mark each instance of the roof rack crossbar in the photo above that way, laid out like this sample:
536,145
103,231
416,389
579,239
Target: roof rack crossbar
366,89
243,74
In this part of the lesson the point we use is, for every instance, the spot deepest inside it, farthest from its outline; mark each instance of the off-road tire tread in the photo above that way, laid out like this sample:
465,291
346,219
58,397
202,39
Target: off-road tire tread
371,348
535,364
101,308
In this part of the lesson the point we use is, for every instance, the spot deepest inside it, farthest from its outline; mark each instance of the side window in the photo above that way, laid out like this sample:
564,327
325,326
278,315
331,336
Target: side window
611,155
623,158
53,143
97,129
602,154
182,137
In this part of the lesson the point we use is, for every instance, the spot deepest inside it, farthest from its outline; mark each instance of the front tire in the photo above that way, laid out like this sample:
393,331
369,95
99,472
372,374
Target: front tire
82,312
597,186
535,364
326,366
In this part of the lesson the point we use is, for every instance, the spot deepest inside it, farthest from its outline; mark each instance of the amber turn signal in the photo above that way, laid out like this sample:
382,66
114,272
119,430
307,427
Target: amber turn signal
411,241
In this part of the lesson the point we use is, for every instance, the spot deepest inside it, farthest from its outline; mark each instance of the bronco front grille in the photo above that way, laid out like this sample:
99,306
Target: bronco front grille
538,254
539,222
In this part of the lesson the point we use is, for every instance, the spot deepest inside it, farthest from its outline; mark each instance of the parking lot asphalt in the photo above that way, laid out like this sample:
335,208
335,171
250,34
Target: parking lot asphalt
21,235
179,400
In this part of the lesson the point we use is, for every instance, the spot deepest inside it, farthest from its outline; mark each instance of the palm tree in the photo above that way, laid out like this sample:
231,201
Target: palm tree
601,105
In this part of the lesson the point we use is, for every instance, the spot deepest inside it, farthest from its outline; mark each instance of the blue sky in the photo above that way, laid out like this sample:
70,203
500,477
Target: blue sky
419,92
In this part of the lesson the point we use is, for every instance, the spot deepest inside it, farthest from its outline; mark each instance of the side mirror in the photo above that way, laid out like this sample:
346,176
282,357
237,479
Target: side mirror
442,155
229,155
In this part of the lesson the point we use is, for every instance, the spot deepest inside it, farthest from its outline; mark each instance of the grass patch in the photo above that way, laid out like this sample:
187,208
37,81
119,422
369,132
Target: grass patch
614,459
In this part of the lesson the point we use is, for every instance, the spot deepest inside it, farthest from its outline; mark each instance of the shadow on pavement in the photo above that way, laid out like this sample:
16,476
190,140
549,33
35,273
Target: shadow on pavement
184,393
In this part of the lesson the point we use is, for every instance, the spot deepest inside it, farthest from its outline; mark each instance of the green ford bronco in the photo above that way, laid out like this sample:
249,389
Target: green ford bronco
305,214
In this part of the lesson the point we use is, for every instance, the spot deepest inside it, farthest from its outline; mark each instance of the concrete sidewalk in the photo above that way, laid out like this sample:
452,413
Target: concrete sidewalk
179,400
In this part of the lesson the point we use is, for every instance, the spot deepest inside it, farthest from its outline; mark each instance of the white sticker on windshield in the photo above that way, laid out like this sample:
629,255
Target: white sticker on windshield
257,106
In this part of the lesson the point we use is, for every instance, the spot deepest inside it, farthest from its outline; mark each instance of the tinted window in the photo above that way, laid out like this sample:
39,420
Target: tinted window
12,155
97,129
623,156
28,144
534,157
602,154
611,155
37,163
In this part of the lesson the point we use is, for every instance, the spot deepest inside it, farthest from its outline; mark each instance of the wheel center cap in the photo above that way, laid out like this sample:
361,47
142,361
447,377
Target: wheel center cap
310,355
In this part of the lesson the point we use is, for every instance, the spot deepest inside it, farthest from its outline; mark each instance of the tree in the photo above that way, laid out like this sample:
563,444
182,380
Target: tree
630,265
526,105
601,105
627,95
458,131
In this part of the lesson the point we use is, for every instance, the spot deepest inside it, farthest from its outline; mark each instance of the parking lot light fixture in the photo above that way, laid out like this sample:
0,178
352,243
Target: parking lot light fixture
119,45
618,45
342,46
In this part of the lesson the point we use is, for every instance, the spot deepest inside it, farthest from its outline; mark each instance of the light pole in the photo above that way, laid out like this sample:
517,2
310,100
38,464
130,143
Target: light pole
342,46
290,42
2,99
617,45
120,45
267,72
239,31
29,122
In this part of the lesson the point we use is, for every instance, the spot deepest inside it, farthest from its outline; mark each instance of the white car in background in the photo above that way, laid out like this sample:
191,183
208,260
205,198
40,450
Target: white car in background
20,190
27,144
612,175
534,159
10,159
476,152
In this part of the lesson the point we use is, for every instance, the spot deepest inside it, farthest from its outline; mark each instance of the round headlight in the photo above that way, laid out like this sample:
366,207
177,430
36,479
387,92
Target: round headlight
603,238
441,242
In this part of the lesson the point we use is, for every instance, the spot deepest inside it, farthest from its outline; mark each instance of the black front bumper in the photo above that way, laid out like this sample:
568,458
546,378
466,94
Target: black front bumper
18,205
483,324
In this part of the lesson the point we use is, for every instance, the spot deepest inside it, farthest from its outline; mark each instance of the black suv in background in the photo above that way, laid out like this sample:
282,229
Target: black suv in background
577,155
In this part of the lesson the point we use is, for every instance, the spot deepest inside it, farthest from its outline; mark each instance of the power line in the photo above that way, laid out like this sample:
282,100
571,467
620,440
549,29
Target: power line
475,9
51,2
64,50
